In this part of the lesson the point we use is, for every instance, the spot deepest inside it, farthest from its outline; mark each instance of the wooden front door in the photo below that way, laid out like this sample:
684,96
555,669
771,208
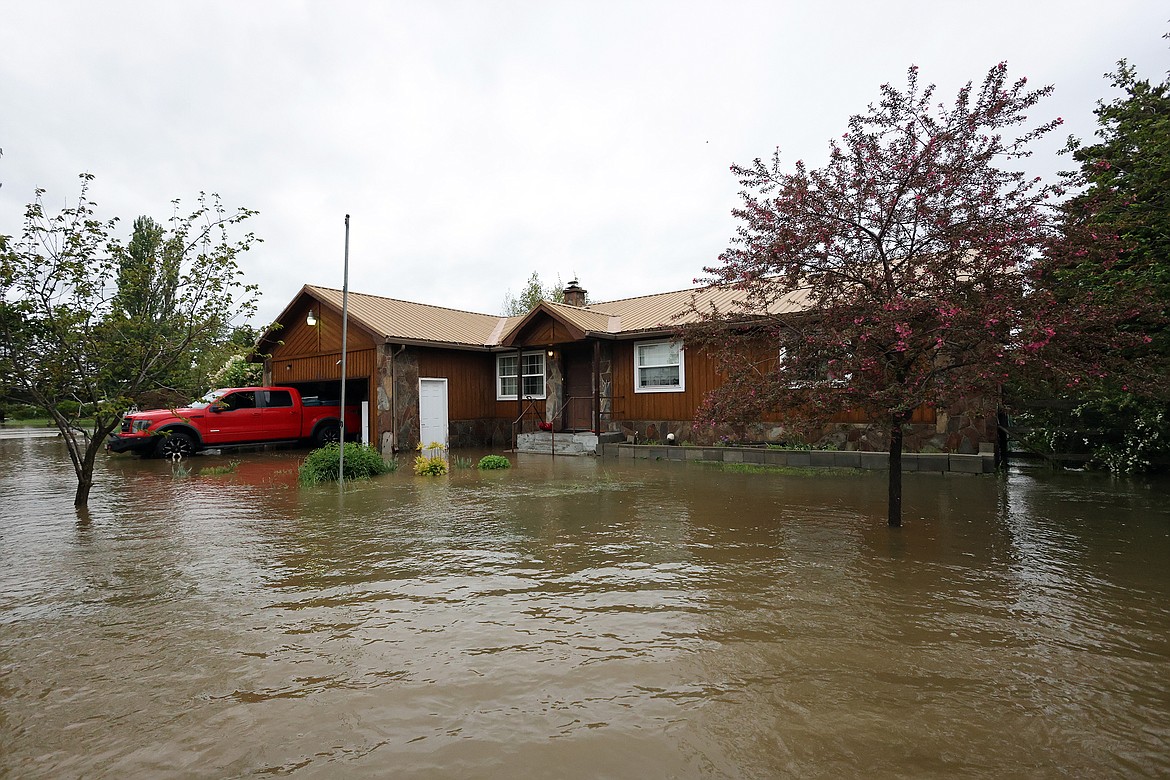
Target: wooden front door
578,414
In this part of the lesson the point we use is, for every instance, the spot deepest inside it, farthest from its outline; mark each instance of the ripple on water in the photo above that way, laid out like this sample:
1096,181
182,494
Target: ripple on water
579,619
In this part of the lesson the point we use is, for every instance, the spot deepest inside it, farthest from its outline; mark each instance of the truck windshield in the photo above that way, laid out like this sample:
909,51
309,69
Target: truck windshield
207,400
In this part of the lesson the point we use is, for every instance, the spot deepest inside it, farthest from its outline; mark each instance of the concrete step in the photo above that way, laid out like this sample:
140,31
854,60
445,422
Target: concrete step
547,443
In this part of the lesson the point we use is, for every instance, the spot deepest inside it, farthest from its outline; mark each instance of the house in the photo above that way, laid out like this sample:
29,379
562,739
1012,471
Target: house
425,373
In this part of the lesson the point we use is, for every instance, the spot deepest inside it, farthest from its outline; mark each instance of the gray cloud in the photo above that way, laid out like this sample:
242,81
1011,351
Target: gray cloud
476,142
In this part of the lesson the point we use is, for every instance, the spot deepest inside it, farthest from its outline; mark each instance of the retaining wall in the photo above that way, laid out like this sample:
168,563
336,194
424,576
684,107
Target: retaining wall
983,463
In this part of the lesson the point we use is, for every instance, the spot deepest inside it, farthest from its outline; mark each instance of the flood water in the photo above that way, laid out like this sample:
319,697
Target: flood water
577,618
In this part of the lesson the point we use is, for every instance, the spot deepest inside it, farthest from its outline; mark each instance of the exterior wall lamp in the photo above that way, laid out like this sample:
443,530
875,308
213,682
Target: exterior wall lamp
311,319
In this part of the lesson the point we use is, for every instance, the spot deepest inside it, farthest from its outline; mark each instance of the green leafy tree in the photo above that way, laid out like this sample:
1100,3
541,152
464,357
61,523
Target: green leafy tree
1114,249
532,294
90,322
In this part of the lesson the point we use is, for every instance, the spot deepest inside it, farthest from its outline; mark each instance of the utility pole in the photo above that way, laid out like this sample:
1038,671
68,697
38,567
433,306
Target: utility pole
344,338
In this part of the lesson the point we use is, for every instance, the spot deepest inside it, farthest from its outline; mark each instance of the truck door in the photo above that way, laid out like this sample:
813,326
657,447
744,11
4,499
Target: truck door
280,419
233,418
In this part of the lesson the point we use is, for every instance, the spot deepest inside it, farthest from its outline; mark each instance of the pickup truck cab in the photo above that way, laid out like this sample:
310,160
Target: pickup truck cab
233,417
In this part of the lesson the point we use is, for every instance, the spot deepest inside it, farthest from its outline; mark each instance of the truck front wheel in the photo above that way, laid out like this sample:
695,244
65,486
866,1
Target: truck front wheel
327,433
174,445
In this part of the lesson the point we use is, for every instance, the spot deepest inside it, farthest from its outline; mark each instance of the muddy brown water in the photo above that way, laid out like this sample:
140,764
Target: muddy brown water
577,618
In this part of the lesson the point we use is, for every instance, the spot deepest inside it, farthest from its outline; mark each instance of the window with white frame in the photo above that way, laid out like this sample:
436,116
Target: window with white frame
809,372
658,367
530,374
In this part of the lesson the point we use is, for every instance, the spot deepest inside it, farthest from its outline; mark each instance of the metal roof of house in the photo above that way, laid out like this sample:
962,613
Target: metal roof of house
396,320
669,310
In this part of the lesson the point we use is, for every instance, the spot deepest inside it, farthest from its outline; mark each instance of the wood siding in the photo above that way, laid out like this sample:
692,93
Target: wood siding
311,353
301,340
470,379
323,368
628,405
701,378
545,332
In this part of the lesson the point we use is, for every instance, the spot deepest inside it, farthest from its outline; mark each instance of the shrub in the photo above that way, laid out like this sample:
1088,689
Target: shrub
434,466
25,412
494,462
361,462
69,408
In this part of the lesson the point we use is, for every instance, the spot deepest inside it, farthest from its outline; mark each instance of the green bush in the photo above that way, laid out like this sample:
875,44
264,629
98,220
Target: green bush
69,408
24,412
494,462
361,462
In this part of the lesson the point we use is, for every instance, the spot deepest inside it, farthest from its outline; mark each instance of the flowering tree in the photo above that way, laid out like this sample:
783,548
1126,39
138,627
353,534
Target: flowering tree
910,250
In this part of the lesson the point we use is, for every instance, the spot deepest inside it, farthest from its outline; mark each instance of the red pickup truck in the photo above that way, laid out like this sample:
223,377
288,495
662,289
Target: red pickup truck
233,417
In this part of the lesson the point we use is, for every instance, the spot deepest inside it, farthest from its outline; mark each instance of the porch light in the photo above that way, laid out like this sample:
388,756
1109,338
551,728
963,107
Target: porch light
551,353
311,320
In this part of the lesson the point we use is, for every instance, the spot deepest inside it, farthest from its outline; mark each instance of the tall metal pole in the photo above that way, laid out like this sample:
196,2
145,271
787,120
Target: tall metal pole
344,338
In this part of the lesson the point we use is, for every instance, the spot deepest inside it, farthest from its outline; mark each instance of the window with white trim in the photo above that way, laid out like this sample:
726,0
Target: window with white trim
658,367
531,374
810,372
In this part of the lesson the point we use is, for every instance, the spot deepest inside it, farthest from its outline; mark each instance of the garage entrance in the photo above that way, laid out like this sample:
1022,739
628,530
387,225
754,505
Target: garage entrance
328,392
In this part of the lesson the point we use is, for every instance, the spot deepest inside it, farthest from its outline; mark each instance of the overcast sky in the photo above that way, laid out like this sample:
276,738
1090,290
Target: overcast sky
476,142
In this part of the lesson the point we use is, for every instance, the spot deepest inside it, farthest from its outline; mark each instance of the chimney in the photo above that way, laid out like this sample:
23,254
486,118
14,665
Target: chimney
574,295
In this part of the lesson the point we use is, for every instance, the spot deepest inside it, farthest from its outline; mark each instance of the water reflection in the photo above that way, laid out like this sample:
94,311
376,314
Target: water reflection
577,618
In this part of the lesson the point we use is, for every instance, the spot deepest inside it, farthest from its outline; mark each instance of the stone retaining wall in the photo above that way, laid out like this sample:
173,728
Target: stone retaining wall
983,463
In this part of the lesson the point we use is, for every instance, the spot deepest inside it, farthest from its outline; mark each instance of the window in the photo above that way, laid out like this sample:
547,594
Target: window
658,367
276,398
531,374
809,371
243,400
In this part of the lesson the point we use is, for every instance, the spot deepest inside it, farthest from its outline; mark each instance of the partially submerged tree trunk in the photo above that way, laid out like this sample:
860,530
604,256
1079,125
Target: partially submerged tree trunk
85,473
84,483
894,513
84,447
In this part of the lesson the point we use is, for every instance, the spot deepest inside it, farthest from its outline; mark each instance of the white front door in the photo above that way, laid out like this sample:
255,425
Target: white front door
432,411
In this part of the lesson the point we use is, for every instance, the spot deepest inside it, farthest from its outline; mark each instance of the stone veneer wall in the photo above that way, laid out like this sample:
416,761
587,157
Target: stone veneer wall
398,398
494,433
954,431
605,378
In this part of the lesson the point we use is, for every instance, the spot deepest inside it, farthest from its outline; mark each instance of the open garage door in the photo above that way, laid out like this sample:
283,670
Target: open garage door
357,393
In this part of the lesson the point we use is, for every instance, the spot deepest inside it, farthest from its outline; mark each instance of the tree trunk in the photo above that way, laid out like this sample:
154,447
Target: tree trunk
1001,439
894,514
84,468
84,483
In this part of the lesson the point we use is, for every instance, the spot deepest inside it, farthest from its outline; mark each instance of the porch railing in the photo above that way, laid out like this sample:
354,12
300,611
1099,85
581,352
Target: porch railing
530,414
530,418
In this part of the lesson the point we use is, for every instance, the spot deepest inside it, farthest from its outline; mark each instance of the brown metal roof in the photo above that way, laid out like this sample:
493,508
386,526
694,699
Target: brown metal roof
669,310
395,320
584,318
